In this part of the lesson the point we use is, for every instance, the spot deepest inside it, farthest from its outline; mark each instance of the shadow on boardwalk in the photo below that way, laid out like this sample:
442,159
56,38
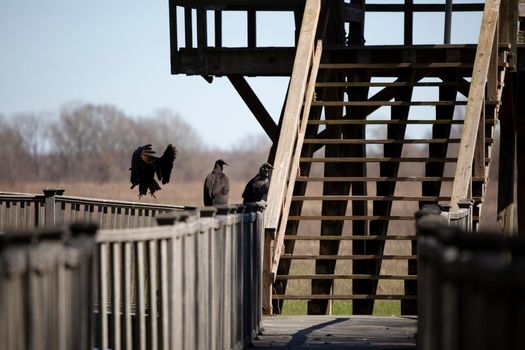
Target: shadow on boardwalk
325,332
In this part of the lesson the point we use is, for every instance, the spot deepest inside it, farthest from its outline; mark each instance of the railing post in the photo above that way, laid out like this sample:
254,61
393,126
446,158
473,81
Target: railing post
461,217
50,205
269,236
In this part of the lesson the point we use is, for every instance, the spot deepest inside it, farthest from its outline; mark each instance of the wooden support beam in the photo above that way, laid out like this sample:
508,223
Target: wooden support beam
507,157
174,45
475,103
218,28
252,28
294,103
519,121
358,188
297,206
423,7
188,28
448,21
409,22
254,104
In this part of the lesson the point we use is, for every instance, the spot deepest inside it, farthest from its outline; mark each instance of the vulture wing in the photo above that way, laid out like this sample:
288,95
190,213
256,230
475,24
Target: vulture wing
164,164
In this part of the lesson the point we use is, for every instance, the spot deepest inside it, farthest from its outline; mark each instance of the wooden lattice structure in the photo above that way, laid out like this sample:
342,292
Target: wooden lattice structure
336,182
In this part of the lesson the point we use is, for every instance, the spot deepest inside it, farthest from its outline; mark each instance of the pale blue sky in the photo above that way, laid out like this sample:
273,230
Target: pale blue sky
117,52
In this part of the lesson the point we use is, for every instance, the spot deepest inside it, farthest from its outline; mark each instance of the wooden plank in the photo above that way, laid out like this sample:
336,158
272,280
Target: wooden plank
345,297
103,296
254,104
469,7
388,103
387,84
164,301
128,335
377,159
252,28
352,276
386,122
377,198
116,289
475,102
350,238
408,22
333,332
140,335
218,28
374,66
267,278
448,21
382,179
348,257
279,245
188,28
351,217
294,102
152,305
381,141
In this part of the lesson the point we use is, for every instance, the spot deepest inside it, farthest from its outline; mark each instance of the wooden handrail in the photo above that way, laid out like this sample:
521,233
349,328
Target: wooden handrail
475,102
292,113
296,158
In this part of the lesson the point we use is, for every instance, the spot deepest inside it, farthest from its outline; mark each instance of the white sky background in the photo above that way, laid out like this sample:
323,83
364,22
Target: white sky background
117,52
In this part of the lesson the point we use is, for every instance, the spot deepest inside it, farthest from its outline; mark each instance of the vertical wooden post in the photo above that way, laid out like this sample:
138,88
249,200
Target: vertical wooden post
267,277
188,28
218,28
174,45
448,21
50,205
409,22
520,159
252,28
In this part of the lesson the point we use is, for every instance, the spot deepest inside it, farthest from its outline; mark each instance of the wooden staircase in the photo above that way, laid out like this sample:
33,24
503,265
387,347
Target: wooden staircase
378,137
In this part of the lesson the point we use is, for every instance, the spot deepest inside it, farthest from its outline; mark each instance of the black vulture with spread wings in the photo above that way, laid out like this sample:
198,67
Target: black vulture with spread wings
144,166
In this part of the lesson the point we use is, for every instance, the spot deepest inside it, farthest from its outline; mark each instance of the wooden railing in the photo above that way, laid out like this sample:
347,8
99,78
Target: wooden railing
46,288
192,283
496,53
471,288
25,211
295,118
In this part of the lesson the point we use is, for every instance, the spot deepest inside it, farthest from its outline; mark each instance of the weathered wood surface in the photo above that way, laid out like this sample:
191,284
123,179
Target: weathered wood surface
27,211
323,332
292,113
475,102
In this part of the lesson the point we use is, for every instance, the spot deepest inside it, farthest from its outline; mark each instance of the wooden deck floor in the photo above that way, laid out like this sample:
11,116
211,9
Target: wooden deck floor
331,332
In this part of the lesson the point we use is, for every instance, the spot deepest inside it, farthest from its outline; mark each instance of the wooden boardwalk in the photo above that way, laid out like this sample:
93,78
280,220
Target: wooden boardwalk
332,332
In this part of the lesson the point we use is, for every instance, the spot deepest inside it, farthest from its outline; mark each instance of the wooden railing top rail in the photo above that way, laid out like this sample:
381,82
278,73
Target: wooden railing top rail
119,203
475,103
296,157
292,113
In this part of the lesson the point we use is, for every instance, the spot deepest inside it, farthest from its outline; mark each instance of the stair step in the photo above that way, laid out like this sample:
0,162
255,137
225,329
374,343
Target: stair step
387,103
376,159
348,257
343,297
389,122
350,217
345,277
349,238
380,179
389,84
375,198
433,65
382,141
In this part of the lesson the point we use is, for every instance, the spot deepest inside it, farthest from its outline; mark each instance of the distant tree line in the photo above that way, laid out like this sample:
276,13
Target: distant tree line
88,142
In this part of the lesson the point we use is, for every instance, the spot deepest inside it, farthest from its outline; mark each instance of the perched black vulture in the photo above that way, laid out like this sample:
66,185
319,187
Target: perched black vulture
216,186
144,166
257,188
